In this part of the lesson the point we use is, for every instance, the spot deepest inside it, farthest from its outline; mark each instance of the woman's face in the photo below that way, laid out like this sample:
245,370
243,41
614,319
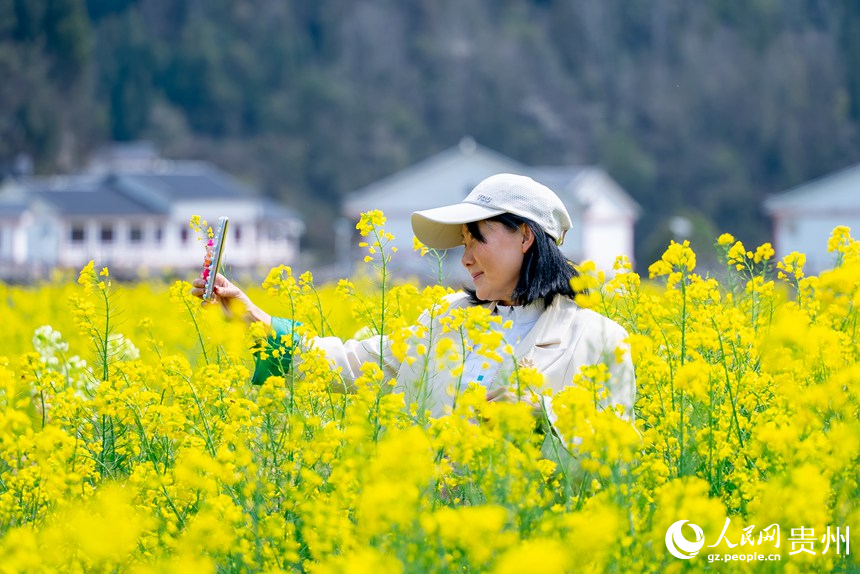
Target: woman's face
495,263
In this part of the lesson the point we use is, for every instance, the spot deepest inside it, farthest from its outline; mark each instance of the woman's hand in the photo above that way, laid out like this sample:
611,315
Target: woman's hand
223,292
503,395
226,293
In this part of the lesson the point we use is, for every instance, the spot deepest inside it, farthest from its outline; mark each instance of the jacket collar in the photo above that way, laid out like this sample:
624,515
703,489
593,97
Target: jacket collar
550,329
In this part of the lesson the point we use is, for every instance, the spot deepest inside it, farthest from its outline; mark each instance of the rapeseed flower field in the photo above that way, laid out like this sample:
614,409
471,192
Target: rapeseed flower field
131,439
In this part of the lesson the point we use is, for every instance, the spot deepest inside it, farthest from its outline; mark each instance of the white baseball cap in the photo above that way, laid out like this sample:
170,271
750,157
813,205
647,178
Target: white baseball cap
440,228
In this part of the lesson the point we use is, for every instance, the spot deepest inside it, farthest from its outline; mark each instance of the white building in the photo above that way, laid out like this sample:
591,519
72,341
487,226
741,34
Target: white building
804,217
603,214
137,218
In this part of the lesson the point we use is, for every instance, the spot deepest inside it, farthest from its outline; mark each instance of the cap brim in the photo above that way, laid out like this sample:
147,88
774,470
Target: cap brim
441,228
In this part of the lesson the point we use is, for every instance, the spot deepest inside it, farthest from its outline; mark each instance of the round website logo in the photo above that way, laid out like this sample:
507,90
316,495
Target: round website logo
679,546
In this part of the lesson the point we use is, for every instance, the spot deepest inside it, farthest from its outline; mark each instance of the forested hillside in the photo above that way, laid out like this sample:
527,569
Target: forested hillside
698,107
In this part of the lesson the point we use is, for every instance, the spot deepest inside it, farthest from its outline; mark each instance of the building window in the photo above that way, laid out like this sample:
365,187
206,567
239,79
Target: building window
135,234
106,233
238,233
159,234
77,234
183,235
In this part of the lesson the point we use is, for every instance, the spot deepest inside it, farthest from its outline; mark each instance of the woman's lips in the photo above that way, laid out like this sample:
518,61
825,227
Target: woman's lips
476,275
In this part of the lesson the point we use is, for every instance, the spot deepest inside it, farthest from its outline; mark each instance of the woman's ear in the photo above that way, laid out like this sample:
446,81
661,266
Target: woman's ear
528,237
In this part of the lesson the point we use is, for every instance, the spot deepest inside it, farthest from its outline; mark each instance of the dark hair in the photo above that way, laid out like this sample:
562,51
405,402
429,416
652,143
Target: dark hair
546,272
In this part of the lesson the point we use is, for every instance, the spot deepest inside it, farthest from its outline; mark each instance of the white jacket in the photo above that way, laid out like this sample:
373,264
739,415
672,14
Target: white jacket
565,338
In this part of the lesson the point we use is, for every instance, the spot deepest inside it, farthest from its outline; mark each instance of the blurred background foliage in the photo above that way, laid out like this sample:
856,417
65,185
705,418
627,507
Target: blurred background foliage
694,107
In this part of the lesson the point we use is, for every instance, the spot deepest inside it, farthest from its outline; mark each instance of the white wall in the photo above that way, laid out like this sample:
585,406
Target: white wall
608,221
606,239
5,241
171,252
809,234
41,238
253,248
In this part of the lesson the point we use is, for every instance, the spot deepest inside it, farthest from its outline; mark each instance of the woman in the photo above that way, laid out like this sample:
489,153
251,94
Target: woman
510,227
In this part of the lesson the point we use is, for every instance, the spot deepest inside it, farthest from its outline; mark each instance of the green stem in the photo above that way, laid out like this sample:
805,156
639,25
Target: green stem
196,328
105,350
44,413
462,369
682,354
382,331
554,440
731,396
210,442
711,433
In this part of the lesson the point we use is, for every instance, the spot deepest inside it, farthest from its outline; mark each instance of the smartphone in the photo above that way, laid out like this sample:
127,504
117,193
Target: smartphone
210,270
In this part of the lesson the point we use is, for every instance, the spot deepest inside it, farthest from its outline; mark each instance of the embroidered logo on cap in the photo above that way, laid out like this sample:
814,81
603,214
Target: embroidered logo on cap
484,198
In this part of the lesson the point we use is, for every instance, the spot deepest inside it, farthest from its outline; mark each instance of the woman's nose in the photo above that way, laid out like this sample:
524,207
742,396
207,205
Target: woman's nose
467,259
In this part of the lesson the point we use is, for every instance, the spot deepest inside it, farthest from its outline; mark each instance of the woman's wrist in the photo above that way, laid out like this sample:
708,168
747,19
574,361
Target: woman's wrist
254,313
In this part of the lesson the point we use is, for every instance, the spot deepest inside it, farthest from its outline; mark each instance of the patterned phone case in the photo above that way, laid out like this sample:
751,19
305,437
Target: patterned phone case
214,255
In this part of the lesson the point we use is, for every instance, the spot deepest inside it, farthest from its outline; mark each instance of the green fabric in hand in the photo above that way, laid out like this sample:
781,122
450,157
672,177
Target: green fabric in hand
278,366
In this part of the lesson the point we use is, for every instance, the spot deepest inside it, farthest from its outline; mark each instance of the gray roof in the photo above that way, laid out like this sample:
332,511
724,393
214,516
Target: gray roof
12,209
561,179
467,149
273,210
557,178
142,193
839,191
103,200
141,149
191,180
78,182
86,194
407,190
